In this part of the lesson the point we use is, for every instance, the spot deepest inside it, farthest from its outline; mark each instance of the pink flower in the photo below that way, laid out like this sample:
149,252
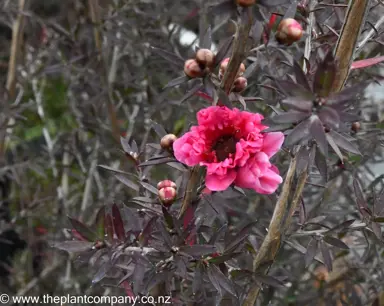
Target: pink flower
229,143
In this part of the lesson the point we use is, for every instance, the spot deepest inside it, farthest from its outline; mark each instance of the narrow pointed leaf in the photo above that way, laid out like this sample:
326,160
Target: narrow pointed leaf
311,251
290,117
301,78
198,250
329,117
224,99
127,182
344,143
169,56
334,146
196,88
269,280
291,89
118,223
325,75
335,242
326,255
297,104
225,48
217,277
206,41
124,143
149,187
361,203
291,11
317,131
158,161
176,82
298,133
74,246
321,164
250,69
159,129
83,229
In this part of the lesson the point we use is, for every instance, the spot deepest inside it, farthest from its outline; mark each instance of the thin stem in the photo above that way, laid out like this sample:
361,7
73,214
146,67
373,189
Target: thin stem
370,34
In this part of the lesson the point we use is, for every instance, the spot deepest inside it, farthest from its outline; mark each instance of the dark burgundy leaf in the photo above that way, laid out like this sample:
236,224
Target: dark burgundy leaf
290,117
217,234
99,224
74,246
298,133
275,128
297,104
210,88
165,235
325,75
102,272
146,232
138,277
83,229
361,203
190,93
109,226
149,187
167,217
218,278
198,278
145,200
344,143
311,251
118,223
317,131
127,288
250,69
335,242
233,243
291,89
176,82
169,57
348,117
227,45
302,160
224,99
126,147
197,250
329,117
160,131
206,41
127,182
158,161
113,170
348,96
334,146
342,226
321,164
301,78
376,228
268,280
223,258
326,255
272,3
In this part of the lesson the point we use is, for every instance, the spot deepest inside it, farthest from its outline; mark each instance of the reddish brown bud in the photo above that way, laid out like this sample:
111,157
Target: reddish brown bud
245,3
167,195
289,31
193,69
167,141
240,84
205,57
356,126
224,65
166,183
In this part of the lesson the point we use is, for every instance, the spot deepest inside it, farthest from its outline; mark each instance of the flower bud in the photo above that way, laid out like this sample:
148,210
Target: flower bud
356,126
167,195
205,57
240,84
167,141
224,65
245,3
274,21
166,183
193,69
289,31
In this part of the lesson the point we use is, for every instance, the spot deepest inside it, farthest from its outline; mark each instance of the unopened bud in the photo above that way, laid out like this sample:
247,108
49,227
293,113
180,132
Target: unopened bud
289,31
193,69
356,126
166,183
240,84
205,57
167,195
224,66
245,3
167,141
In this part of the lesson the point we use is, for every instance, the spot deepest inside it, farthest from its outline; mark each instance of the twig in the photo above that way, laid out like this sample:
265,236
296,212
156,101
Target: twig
95,18
239,50
272,241
361,44
190,190
346,44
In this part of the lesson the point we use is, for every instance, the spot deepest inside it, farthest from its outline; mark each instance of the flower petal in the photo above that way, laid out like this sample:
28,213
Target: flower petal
272,143
220,182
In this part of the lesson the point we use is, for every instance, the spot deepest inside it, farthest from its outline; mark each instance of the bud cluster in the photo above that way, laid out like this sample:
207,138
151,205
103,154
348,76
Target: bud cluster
200,65
240,82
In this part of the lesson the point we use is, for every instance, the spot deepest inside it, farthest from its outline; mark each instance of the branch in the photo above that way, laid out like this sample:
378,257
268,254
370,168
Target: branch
193,181
346,44
239,50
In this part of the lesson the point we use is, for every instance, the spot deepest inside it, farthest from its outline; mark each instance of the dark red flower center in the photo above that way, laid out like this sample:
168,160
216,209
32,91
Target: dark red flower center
225,146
